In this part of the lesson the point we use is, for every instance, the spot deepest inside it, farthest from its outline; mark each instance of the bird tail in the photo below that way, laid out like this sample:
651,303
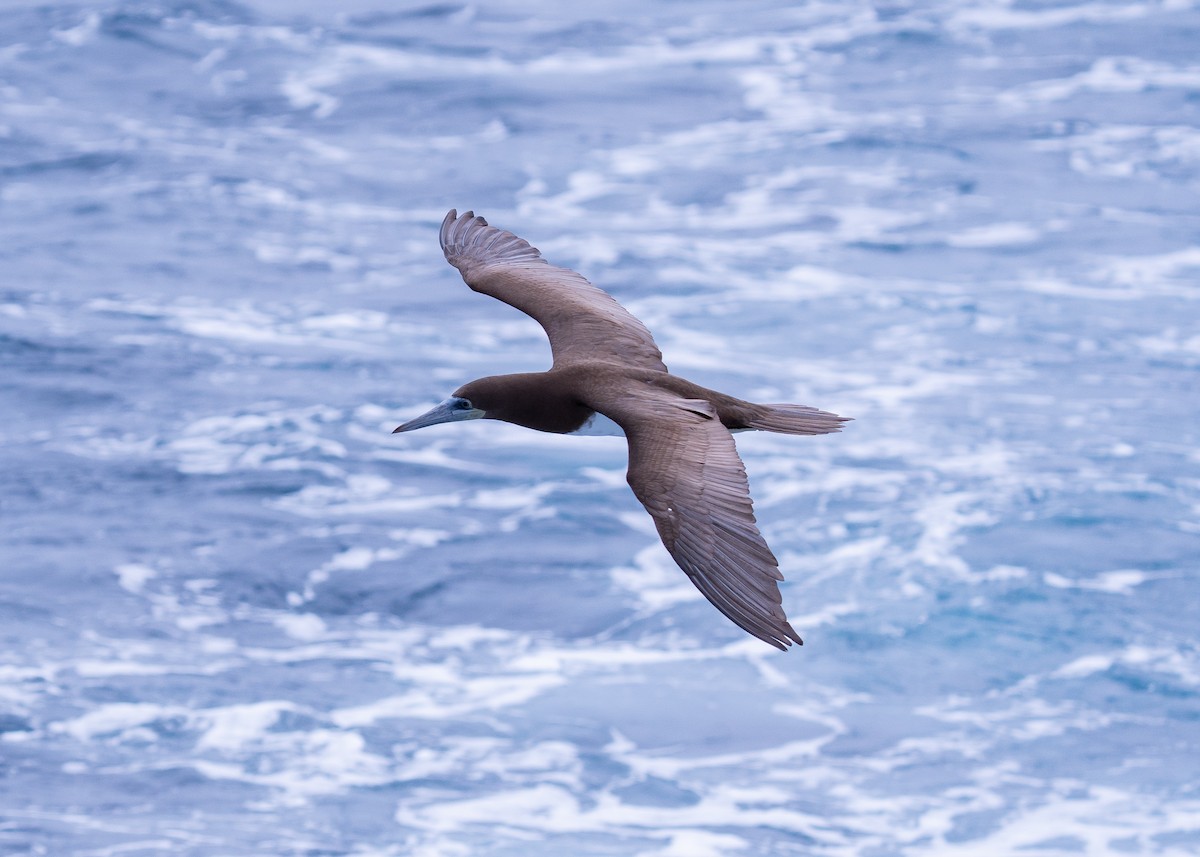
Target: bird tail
795,419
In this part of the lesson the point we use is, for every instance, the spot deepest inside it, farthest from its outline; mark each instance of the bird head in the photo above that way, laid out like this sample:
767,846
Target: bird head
452,410
483,398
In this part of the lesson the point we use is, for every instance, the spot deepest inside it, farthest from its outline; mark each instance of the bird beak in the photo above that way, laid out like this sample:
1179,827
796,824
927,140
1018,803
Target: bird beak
449,411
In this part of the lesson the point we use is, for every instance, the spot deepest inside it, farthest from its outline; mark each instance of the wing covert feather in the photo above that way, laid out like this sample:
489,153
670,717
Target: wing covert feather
684,468
581,321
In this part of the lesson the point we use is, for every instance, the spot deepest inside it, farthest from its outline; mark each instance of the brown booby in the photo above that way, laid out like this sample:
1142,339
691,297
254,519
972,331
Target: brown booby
608,377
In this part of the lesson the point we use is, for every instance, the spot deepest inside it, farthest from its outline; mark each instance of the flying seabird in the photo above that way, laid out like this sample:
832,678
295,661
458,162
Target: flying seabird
608,377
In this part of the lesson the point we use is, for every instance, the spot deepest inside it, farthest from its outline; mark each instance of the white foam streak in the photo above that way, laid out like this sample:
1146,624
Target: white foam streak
1081,818
1167,662
1126,151
1151,270
245,323
350,560
134,576
1107,75
1119,582
553,808
455,697
655,580
1002,16
317,762
115,718
943,519
283,439
995,235
697,843
232,728
362,494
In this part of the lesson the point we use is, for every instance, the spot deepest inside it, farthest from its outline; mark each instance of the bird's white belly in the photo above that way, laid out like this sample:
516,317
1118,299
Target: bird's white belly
598,425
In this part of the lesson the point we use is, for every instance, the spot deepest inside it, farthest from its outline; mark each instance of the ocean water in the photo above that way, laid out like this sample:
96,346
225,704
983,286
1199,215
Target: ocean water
239,617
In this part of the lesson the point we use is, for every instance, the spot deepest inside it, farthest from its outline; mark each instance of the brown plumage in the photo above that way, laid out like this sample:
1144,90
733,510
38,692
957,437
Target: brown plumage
683,465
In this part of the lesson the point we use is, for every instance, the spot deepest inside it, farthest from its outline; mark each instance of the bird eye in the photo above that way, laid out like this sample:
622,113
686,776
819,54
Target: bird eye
463,405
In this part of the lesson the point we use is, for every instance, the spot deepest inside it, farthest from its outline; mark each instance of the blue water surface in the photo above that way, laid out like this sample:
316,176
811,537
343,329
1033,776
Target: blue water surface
239,617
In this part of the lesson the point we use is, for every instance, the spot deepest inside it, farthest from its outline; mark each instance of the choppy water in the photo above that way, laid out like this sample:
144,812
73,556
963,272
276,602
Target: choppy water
239,617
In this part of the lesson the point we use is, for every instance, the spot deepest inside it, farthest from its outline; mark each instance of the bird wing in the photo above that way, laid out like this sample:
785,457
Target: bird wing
685,469
582,321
